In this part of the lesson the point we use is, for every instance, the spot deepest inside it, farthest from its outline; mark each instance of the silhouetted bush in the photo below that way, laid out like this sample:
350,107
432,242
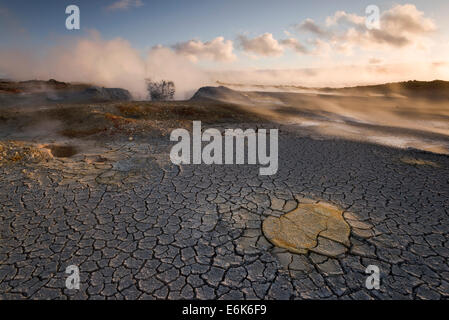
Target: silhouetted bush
161,90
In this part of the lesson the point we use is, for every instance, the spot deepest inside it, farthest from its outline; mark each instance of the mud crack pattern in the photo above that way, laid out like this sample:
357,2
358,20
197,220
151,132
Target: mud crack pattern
139,227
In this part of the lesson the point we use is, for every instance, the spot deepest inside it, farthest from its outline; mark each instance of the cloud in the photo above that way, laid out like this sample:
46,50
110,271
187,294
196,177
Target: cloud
407,18
374,61
343,17
321,48
263,45
216,50
124,5
310,26
401,26
294,44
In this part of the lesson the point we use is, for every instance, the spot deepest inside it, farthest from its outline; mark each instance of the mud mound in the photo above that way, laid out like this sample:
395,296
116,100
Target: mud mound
220,94
105,94
37,92
12,152
311,227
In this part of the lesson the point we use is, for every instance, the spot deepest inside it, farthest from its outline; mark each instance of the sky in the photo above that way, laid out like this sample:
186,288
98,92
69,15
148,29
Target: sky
197,42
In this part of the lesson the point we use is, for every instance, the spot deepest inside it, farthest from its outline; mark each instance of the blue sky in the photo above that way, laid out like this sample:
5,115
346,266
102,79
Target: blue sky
170,21
225,37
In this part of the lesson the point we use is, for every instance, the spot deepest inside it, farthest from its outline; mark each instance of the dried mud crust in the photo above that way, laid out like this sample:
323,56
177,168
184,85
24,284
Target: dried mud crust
111,121
317,227
139,227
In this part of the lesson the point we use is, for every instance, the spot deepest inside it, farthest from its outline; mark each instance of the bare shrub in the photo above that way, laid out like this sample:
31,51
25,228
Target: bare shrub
161,90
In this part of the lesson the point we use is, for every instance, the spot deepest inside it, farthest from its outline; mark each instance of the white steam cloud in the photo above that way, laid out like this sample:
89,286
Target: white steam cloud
110,63
340,76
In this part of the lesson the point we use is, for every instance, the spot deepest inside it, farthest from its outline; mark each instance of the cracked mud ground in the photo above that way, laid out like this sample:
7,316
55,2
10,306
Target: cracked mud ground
139,227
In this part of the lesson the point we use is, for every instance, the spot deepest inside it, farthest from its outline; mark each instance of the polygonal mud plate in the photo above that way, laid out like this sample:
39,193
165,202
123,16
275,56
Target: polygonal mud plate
299,231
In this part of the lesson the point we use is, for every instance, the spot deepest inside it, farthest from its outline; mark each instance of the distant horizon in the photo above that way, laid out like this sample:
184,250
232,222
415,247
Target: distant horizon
224,84
218,84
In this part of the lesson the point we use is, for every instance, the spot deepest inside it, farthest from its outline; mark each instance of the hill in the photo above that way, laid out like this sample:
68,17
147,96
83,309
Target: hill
437,89
38,91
